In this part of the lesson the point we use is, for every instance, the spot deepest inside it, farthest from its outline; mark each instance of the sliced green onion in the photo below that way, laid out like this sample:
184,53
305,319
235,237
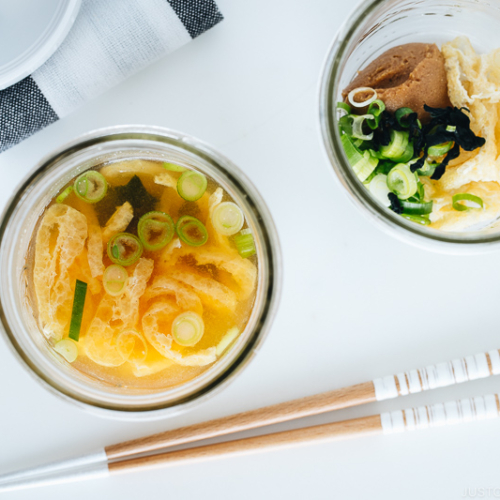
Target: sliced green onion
397,147
64,194
352,125
114,279
67,349
77,312
227,340
363,164
245,243
362,104
191,231
451,128
155,230
227,218
91,186
413,208
191,185
351,151
424,221
428,169
344,107
124,249
188,328
401,115
420,191
402,181
366,166
172,167
440,149
357,127
471,200
376,109
378,188
407,155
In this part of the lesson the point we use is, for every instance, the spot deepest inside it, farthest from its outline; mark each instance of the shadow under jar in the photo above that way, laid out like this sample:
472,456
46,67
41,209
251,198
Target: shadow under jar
107,395
373,28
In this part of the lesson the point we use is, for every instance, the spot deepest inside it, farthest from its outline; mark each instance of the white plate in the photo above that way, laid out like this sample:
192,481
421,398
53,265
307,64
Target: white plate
30,32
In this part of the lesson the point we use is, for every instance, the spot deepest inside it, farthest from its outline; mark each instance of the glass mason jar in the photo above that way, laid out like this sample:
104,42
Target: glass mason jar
374,27
18,224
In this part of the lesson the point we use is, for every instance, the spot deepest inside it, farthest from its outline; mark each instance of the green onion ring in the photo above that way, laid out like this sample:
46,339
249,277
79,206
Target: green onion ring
155,230
413,208
401,114
191,231
191,185
457,198
376,109
91,186
124,249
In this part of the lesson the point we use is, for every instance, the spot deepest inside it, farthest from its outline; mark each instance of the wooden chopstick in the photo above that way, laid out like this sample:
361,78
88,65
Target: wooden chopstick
423,417
453,412
440,375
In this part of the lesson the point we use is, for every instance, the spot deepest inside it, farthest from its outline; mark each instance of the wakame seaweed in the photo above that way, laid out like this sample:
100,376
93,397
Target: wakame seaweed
395,203
447,124
135,193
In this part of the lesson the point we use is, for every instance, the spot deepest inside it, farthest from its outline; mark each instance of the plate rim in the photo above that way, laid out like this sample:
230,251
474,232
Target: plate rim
50,40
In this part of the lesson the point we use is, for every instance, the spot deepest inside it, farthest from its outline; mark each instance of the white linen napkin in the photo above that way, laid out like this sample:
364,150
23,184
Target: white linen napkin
109,41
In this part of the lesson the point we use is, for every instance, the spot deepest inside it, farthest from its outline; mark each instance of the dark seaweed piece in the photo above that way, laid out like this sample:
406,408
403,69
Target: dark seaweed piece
395,203
382,134
453,153
135,193
460,132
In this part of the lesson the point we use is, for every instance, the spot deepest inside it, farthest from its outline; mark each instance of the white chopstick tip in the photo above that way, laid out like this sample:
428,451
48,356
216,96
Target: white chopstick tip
54,467
92,471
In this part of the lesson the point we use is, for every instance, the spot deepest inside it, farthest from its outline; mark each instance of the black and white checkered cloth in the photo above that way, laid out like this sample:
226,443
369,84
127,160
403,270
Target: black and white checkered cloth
110,41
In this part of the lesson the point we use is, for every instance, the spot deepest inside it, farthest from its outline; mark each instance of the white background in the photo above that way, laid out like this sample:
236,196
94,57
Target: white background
356,305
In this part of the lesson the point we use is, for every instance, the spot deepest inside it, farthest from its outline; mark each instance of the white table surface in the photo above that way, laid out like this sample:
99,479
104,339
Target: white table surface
356,305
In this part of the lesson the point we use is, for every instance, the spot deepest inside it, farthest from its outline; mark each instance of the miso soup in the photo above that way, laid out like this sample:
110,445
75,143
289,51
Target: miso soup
143,273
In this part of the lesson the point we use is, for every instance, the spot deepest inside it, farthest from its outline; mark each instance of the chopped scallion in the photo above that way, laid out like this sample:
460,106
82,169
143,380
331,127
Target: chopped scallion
402,181
397,146
227,218
245,243
64,194
402,115
191,185
227,340
376,109
155,230
172,167
471,201
188,328
67,349
342,106
124,249
378,188
191,231
428,169
413,208
366,102
440,149
77,312
363,164
114,279
91,186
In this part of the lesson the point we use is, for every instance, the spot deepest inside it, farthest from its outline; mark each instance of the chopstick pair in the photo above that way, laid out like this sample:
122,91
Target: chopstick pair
120,458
